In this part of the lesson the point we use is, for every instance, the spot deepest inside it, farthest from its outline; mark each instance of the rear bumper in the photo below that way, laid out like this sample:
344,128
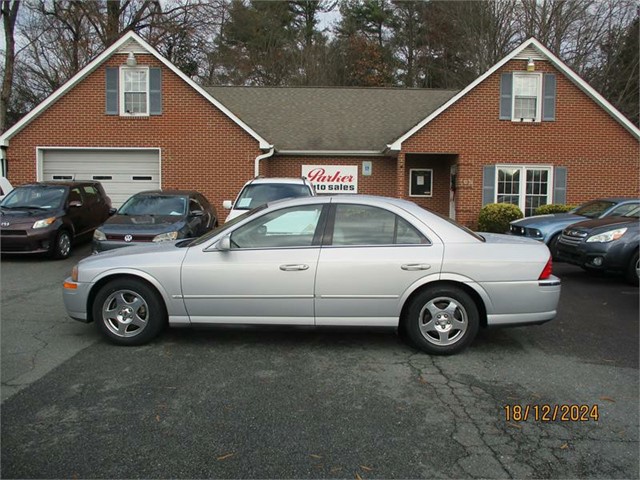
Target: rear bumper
523,303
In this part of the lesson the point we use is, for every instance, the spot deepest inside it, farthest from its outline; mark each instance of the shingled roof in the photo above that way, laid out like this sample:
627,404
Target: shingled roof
330,118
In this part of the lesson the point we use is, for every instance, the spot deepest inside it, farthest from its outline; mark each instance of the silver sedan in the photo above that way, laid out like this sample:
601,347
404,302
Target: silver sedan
324,261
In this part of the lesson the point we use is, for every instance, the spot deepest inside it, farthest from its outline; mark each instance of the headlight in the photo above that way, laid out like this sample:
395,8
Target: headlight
98,235
44,223
74,273
165,237
609,236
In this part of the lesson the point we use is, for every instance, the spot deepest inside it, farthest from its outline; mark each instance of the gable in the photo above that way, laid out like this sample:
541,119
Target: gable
130,42
529,50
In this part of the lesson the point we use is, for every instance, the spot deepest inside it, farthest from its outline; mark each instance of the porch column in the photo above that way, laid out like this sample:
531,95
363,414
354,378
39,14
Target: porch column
401,178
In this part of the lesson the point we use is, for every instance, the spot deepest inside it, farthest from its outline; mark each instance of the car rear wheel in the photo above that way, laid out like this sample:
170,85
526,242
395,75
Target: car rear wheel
441,320
633,270
61,247
129,312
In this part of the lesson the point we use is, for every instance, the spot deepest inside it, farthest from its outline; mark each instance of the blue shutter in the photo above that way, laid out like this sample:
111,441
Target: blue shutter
488,184
155,91
549,97
560,186
111,81
506,92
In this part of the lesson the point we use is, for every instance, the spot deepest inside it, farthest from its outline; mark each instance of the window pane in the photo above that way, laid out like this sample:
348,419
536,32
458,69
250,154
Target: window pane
363,225
290,227
420,182
537,187
407,235
135,102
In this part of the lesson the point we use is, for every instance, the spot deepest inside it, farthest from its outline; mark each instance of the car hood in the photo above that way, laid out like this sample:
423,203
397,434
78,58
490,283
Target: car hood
606,223
124,224
26,215
541,221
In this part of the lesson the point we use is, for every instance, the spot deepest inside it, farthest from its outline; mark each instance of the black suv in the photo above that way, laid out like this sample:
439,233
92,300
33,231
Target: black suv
49,217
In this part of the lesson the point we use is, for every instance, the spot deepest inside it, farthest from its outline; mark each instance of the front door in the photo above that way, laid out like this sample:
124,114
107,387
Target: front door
266,277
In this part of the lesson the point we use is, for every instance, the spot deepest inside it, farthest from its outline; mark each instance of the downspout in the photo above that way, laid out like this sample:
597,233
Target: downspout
256,170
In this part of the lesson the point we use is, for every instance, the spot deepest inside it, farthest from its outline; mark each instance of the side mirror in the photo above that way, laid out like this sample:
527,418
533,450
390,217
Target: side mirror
227,204
224,244
112,211
75,203
197,213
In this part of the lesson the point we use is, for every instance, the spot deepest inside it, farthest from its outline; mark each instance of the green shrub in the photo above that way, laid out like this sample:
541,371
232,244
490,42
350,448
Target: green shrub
495,217
552,208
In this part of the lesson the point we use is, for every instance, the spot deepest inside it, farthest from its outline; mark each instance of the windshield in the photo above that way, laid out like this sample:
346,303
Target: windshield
154,205
623,209
45,197
256,194
593,209
226,226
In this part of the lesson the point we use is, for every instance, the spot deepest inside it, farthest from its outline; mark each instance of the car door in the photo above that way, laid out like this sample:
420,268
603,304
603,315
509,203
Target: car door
266,275
77,211
371,258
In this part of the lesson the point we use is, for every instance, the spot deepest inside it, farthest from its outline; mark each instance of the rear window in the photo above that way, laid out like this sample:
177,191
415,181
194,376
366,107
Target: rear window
256,194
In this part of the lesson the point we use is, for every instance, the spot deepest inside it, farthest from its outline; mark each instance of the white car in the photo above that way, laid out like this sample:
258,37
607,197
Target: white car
259,191
347,260
5,187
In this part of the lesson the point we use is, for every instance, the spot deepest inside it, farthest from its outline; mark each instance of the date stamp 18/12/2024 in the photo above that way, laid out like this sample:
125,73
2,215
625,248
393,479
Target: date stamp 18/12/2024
552,413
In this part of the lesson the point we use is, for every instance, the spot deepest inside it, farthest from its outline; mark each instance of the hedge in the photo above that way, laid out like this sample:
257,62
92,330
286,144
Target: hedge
495,217
552,208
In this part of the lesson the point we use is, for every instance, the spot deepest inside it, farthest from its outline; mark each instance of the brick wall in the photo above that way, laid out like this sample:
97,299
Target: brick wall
202,148
602,157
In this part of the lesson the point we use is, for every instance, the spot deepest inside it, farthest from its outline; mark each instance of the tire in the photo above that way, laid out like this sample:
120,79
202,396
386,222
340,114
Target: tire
129,312
633,270
61,247
441,320
553,247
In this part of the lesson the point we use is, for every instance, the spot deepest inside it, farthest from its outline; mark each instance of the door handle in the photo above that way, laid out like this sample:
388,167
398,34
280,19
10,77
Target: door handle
293,268
412,267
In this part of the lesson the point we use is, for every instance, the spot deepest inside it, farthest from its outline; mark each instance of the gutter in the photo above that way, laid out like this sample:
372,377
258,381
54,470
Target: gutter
333,153
256,168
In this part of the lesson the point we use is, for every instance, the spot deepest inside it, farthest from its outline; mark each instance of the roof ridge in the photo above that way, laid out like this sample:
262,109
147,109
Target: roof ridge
332,87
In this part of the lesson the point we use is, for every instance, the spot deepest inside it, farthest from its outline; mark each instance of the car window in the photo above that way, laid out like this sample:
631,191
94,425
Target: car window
635,213
75,195
154,205
622,209
90,194
194,205
256,194
593,209
36,196
365,225
289,227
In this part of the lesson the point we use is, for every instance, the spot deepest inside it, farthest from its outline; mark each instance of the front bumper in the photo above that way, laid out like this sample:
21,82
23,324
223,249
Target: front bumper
27,241
595,256
75,300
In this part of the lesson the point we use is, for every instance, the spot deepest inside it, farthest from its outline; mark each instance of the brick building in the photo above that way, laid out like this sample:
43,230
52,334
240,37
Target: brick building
529,131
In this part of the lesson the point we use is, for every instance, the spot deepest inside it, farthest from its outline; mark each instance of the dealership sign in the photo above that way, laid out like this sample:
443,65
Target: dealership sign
332,178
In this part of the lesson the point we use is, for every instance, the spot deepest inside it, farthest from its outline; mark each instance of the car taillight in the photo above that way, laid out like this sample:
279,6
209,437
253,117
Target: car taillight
546,271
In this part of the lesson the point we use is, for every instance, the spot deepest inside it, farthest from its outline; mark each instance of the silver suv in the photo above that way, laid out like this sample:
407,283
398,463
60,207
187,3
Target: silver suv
259,191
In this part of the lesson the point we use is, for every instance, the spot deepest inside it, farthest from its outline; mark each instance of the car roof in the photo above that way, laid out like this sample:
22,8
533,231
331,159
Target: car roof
170,193
615,199
285,180
61,183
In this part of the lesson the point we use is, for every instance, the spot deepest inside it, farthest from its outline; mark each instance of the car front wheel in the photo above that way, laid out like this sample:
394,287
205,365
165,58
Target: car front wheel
129,312
61,247
441,320
633,270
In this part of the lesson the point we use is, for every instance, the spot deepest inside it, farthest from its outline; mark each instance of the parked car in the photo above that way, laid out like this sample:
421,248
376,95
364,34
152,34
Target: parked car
259,191
609,243
5,187
547,228
50,217
342,261
156,216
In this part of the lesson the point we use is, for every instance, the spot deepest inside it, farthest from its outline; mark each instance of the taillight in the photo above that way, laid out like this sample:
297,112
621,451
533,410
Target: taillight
546,271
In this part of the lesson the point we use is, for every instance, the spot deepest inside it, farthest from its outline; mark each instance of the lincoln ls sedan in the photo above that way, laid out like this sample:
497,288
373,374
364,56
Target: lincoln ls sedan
322,261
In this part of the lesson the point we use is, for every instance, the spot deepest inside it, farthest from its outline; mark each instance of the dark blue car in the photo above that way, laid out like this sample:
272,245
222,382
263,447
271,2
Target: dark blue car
610,243
547,228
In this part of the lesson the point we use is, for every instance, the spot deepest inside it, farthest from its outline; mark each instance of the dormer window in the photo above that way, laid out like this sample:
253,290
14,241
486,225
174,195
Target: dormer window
135,91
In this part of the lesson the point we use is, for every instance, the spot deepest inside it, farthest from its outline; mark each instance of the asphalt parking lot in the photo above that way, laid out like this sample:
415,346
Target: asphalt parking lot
280,403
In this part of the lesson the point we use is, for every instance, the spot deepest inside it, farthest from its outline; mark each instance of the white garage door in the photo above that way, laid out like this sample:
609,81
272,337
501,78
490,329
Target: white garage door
121,172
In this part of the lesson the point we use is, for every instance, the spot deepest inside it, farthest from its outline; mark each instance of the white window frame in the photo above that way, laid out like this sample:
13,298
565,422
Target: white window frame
430,170
122,92
522,195
539,99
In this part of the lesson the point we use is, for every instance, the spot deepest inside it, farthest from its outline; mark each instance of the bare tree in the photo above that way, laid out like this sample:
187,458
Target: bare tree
9,12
